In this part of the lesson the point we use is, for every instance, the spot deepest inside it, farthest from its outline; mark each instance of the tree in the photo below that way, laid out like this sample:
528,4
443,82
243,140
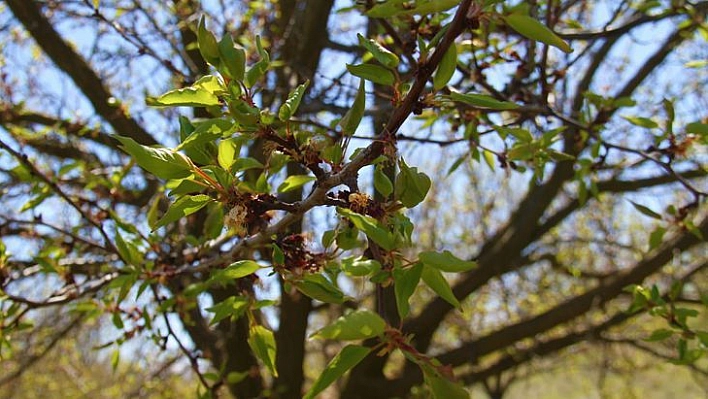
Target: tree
261,225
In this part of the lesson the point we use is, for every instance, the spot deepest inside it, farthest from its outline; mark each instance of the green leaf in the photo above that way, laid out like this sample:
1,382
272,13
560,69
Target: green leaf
535,30
238,269
482,101
234,306
351,120
207,43
316,286
698,128
646,211
441,387
393,8
161,162
207,131
372,73
184,206
660,335
233,59
405,281
641,122
411,186
656,237
437,282
294,182
345,360
382,183
371,227
425,7
445,261
446,68
380,53
246,163
359,324
227,153
360,266
292,103
188,96
128,251
262,343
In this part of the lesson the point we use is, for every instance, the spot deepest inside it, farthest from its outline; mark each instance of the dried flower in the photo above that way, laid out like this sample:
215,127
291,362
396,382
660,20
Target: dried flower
236,220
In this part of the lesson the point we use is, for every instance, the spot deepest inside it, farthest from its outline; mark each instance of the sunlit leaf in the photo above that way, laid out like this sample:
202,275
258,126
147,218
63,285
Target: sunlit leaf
351,120
345,360
535,30
359,324
161,162
290,106
380,53
294,182
184,206
262,343
445,261
446,68
372,73
482,101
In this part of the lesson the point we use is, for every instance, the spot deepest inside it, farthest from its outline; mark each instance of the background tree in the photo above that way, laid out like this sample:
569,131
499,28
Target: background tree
566,205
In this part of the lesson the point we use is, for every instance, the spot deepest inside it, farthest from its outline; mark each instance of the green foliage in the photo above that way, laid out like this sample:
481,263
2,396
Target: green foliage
223,207
353,326
345,360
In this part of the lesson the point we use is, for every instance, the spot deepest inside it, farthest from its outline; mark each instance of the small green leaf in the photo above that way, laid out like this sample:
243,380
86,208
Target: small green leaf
411,186
656,237
184,206
292,103
660,334
233,59
641,122
233,306
262,343
345,360
445,261
351,120
382,183
360,266
446,68
405,281
161,162
294,182
246,163
441,387
238,269
316,286
425,7
188,96
698,128
482,101
207,131
393,8
359,324
371,227
227,152
373,73
559,156
646,211
437,282
207,43
380,53
535,30
128,251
